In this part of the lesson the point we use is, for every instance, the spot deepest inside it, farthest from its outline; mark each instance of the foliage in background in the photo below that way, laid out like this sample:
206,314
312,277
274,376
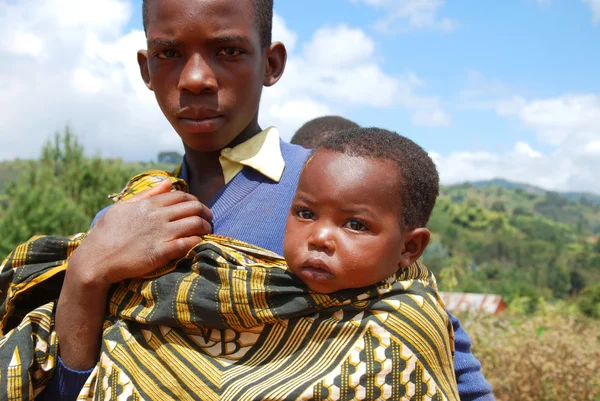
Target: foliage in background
516,243
589,301
58,194
552,355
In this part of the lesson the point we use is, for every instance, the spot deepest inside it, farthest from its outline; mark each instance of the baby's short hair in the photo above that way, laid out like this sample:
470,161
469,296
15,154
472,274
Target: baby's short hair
419,179
263,13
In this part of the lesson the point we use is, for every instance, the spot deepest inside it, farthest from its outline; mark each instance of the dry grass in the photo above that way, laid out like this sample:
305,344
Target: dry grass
553,355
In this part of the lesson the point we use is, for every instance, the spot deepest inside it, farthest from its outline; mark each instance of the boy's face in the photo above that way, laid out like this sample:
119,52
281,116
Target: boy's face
206,67
343,229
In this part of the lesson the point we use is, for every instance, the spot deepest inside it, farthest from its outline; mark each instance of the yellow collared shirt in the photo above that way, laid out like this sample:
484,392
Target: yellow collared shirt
262,152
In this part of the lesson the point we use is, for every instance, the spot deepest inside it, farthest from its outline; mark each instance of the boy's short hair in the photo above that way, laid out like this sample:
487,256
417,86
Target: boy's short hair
263,10
419,178
314,131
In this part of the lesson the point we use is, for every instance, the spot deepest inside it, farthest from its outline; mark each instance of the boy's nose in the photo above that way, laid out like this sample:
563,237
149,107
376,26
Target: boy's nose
322,239
197,76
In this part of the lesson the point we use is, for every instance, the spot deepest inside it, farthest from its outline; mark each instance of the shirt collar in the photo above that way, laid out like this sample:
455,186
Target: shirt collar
262,153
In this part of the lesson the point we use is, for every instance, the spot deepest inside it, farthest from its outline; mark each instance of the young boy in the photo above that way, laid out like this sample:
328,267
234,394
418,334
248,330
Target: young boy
314,131
207,61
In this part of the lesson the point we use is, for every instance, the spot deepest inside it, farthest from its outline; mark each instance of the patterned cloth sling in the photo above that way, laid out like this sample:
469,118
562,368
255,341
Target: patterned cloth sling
229,322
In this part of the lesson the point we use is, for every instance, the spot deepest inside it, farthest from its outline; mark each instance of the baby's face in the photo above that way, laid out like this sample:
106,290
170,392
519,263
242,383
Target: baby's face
343,229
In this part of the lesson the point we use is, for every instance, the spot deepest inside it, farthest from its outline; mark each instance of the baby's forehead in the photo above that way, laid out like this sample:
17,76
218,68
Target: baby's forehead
328,157
330,166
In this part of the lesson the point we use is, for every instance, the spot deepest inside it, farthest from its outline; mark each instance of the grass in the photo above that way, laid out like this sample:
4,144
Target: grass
550,356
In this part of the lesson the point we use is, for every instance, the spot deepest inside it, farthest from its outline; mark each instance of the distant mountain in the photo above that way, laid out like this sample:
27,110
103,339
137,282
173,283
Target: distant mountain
500,182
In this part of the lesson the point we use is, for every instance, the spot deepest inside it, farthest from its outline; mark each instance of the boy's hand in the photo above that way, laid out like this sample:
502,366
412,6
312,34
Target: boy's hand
133,238
141,234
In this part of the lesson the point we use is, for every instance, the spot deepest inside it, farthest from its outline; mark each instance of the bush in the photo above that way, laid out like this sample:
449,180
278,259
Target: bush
549,356
589,301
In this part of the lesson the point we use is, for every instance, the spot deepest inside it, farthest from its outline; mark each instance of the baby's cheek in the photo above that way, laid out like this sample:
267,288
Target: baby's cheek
290,246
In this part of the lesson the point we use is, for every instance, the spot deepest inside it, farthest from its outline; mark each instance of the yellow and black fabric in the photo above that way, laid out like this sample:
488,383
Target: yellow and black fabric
229,322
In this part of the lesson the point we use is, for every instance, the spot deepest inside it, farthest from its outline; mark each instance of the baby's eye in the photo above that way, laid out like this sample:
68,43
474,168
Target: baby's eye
304,213
167,54
230,52
356,225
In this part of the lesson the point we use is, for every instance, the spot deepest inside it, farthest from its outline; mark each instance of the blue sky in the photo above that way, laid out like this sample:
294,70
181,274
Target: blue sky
490,88
530,48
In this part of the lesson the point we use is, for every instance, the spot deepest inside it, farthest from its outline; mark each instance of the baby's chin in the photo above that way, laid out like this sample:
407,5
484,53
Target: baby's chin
320,290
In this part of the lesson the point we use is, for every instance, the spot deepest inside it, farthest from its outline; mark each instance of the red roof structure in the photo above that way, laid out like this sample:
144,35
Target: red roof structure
466,302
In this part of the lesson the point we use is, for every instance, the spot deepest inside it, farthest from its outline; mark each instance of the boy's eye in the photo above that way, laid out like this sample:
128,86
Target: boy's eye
230,52
356,225
167,54
304,213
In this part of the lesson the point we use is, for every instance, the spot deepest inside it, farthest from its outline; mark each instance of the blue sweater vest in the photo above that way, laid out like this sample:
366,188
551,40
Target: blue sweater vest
252,208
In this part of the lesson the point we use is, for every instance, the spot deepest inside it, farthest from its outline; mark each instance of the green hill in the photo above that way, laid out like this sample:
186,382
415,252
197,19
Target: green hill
517,242
586,197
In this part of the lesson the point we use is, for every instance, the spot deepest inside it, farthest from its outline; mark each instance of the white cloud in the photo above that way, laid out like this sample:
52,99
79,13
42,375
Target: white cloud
595,6
522,164
337,72
73,61
430,118
569,125
523,148
404,15
593,147
572,118
283,34
24,43
324,49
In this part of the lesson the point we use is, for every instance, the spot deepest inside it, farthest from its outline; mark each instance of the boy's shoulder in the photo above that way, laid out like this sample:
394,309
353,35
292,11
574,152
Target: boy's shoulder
293,153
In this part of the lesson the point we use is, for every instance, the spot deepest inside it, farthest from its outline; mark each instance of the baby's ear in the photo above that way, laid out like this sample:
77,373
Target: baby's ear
142,57
415,242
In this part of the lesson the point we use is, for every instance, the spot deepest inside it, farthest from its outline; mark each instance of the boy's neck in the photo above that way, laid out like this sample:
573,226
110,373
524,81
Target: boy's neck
204,169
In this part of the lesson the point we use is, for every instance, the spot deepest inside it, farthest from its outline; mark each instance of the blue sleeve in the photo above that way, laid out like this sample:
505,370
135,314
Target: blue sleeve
65,384
99,215
472,386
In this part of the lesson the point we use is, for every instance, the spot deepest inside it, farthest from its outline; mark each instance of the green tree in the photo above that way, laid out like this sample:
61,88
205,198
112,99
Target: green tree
58,194
589,301
169,157
498,206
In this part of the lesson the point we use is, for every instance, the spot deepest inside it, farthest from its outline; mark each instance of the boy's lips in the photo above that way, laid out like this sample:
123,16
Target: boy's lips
200,121
198,113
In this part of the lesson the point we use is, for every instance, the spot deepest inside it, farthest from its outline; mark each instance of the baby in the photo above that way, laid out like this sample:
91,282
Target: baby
360,210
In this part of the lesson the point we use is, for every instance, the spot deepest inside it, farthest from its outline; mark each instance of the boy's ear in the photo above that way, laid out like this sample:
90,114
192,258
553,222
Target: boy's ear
142,57
415,242
275,63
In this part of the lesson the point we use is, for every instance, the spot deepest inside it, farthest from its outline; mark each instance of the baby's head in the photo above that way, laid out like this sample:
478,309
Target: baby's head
360,210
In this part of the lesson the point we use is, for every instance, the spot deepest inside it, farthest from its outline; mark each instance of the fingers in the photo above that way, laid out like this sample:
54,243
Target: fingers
178,248
163,187
188,209
173,198
188,227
